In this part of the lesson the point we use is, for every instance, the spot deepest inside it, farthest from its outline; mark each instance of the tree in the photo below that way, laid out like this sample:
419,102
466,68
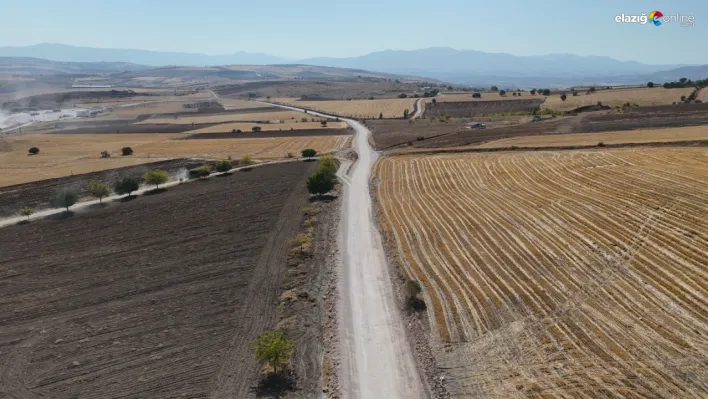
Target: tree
223,166
434,101
563,97
380,115
476,95
683,80
323,123
26,211
156,177
592,89
321,182
650,84
502,93
402,95
328,164
308,153
533,92
513,94
494,88
126,151
405,113
546,92
126,185
256,129
273,348
34,150
683,98
64,198
98,189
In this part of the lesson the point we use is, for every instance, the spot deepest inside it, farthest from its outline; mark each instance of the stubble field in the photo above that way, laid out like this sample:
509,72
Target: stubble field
641,97
66,154
558,274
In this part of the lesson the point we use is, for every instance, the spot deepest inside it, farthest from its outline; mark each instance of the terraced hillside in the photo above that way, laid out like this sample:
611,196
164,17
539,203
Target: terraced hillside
558,274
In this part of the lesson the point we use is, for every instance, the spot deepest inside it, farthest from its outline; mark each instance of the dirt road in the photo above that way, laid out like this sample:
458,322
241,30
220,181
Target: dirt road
377,361
419,108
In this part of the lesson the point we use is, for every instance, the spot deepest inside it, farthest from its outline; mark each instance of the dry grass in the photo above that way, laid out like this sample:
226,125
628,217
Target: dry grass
246,127
558,274
133,112
629,136
63,155
226,117
614,97
703,95
391,108
229,103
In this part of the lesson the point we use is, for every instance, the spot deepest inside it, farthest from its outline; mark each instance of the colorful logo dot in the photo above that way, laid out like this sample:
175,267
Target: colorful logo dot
655,17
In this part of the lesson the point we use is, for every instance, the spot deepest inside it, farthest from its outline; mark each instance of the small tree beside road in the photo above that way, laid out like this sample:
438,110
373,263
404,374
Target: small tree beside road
321,182
156,177
27,212
98,189
273,348
126,185
64,198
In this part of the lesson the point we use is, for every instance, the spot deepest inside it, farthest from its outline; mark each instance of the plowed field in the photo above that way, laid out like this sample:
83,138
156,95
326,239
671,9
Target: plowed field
157,297
558,274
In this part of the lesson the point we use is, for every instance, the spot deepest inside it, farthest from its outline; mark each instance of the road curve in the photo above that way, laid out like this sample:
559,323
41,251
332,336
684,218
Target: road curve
377,361
419,108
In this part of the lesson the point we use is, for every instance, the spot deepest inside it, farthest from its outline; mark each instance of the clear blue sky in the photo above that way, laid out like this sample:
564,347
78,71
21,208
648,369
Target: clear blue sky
308,28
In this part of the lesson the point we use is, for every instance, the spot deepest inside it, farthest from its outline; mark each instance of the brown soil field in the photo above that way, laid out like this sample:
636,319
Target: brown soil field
473,108
146,109
693,133
557,274
66,154
358,88
247,134
246,127
390,108
234,104
643,96
226,117
156,297
36,195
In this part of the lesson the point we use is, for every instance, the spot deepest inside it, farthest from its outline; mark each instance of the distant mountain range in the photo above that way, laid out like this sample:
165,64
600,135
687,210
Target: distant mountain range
441,63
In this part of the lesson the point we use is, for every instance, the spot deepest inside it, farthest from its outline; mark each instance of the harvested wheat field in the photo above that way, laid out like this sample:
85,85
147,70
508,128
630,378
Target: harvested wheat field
230,103
66,154
390,108
558,274
691,133
132,112
288,116
641,97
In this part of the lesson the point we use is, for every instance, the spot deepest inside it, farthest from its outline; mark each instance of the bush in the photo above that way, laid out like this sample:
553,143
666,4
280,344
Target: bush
502,92
402,95
412,289
321,182
308,153
601,144
405,113
303,120
223,166
476,95
246,161
434,101
494,88
98,189
546,92
563,97
683,98
126,185
533,92
323,123
380,115
290,155
105,154
156,177
26,211
34,151
650,84
273,348
256,129
64,198
238,131
125,151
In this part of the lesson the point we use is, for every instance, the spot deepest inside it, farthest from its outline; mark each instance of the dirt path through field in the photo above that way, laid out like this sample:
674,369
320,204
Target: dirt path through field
377,359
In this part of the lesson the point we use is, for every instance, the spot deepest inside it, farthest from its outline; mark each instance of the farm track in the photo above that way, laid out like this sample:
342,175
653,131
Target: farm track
558,274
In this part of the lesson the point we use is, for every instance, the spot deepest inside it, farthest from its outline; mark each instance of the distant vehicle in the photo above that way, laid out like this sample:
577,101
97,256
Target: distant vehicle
535,118
475,125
